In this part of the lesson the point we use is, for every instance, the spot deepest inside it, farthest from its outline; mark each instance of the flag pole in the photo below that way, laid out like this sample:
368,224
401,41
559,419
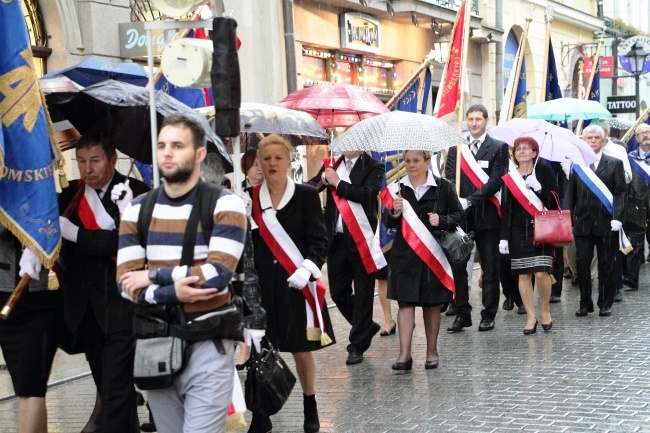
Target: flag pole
594,70
461,104
642,118
548,15
520,61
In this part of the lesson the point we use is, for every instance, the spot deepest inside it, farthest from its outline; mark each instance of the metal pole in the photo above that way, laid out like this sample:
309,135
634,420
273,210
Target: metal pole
152,112
638,97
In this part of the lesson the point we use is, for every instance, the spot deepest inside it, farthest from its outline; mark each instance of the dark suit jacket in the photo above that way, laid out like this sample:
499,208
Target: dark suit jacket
89,267
482,213
589,214
366,178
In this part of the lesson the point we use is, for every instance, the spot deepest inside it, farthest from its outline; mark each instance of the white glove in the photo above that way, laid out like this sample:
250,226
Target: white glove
533,183
566,167
300,278
464,203
116,195
254,336
30,264
69,231
248,202
503,247
616,225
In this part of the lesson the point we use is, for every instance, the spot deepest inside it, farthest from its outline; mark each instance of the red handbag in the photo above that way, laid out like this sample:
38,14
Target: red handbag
553,226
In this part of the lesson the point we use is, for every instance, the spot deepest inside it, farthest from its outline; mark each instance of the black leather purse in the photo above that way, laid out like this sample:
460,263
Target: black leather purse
269,381
456,244
635,213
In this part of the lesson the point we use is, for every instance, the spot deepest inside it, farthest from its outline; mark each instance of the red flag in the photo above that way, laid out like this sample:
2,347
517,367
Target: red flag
450,90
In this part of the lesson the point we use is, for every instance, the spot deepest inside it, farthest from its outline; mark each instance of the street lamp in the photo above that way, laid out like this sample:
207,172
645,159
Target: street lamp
636,58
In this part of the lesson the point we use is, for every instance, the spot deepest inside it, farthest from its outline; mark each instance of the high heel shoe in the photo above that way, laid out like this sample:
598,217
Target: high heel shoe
547,326
403,366
385,333
430,365
531,331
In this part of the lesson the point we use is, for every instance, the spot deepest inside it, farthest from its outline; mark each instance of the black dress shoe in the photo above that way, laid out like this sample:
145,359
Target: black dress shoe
403,366
486,325
582,312
508,304
555,299
547,326
634,288
385,333
531,331
354,357
451,311
521,309
430,365
606,311
618,297
459,324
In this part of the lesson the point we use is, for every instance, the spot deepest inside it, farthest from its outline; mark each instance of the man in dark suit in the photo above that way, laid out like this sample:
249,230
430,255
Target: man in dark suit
93,308
483,218
344,263
593,224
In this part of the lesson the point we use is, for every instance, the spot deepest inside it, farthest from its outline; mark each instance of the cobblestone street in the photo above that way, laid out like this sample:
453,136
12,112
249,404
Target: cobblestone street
588,374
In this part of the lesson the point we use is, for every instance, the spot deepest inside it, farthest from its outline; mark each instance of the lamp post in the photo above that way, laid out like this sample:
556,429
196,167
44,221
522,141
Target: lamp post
636,58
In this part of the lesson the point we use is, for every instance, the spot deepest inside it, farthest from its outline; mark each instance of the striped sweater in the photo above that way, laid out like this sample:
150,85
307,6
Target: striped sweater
213,263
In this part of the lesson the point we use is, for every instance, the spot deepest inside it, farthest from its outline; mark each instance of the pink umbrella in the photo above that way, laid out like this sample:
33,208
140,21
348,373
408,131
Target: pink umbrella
334,106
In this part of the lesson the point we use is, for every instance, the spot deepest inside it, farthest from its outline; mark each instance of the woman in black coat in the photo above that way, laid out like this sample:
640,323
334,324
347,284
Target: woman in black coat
410,281
297,209
517,231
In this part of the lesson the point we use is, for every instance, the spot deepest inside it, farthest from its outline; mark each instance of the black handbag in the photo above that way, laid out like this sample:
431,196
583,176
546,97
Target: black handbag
269,380
635,213
456,244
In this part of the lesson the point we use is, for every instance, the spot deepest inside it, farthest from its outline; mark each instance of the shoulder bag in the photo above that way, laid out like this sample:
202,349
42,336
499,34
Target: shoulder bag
553,227
456,244
635,213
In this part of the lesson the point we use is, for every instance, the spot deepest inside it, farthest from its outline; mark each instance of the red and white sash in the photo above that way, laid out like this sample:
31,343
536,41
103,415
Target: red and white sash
358,225
526,198
418,237
476,175
91,211
288,255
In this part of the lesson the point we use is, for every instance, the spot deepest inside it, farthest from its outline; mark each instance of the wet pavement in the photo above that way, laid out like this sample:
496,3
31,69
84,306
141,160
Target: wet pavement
588,374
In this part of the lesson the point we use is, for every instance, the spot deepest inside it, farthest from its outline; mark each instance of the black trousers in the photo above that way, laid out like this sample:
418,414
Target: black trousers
558,271
606,248
509,282
344,267
111,362
487,244
633,259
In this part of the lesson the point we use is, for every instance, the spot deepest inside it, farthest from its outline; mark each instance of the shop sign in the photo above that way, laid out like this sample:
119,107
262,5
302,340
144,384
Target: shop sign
133,40
606,66
625,46
359,32
621,104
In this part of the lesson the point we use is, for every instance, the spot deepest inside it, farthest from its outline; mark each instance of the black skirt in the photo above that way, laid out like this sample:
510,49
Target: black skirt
525,257
29,339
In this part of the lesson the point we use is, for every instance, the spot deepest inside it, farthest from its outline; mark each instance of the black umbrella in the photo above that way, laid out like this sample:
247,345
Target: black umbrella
123,109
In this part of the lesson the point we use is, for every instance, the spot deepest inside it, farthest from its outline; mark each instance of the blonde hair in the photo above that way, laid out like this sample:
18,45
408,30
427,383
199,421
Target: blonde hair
423,153
274,139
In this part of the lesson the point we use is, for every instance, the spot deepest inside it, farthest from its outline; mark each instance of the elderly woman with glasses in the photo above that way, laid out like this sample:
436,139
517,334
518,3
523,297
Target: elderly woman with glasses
528,188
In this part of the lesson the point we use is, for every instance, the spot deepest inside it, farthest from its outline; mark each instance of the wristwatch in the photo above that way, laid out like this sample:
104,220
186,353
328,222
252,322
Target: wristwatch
153,275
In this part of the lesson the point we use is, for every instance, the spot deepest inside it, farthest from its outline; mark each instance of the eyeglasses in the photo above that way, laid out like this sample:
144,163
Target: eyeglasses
642,133
520,148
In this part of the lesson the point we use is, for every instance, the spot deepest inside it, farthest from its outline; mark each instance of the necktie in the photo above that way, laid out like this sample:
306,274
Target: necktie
592,166
474,146
348,165
99,193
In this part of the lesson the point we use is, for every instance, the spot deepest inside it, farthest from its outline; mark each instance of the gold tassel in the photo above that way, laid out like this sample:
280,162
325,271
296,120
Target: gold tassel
553,280
52,281
313,334
627,249
325,339
235,421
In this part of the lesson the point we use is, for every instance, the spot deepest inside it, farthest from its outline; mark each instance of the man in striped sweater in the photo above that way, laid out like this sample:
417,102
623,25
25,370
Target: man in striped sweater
199,397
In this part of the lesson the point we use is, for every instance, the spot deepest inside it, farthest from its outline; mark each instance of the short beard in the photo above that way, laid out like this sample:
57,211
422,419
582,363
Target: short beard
178,176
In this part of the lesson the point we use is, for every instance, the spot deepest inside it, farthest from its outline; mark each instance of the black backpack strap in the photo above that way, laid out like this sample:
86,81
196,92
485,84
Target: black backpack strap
189,238
144,217
207,208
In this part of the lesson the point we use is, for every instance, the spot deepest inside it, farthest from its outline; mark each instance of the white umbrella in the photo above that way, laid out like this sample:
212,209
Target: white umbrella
398,130
555,143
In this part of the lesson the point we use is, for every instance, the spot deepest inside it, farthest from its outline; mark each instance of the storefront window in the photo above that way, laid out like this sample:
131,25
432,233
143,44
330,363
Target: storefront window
313,70
37,34
345,73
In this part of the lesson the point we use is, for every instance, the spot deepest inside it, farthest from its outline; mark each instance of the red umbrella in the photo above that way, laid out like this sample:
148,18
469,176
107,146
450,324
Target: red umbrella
334,106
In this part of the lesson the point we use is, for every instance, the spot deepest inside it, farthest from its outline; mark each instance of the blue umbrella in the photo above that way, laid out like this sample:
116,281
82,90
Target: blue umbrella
93,70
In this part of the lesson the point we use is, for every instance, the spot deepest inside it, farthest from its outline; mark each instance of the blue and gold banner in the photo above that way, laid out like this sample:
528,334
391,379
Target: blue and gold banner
553,90
28,204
